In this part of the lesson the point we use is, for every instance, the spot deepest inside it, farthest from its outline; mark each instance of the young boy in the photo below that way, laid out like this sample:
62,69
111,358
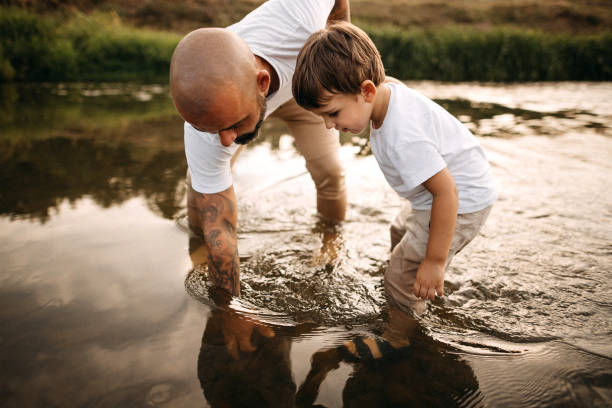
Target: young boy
426,155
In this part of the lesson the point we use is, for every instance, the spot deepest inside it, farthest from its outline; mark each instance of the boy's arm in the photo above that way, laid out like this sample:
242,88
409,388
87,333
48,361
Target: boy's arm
219,219
430,275
340,11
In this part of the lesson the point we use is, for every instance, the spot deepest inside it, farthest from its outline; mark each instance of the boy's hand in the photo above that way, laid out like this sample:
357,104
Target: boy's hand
429,280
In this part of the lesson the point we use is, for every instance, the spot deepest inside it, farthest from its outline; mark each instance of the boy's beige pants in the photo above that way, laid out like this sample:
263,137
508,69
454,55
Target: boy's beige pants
409,236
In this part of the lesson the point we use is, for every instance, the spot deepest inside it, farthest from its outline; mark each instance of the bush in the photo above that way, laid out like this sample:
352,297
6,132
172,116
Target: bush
100,47
502,54
108,50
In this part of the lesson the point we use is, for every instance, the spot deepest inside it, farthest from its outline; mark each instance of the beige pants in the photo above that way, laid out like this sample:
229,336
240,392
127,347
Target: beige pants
321,150
409,236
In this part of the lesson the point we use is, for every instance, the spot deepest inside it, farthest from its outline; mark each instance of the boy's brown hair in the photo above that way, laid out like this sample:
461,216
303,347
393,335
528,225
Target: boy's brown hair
336,59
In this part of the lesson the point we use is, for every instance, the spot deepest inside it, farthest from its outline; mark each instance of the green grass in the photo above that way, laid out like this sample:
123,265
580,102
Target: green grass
99,47
95,47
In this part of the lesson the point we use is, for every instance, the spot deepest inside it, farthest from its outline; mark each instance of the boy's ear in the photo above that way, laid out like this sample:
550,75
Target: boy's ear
368,90
263,81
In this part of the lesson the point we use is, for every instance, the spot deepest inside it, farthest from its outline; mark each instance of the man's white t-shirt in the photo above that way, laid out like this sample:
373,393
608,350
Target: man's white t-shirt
275,31
419,138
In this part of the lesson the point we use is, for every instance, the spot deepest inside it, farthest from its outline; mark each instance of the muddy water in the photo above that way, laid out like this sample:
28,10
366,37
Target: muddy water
102,305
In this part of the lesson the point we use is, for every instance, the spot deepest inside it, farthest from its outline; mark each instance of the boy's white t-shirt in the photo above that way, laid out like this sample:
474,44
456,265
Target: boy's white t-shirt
275,31
419,138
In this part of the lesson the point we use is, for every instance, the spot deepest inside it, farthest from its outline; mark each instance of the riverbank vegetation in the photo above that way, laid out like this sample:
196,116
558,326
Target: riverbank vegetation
481,40
80,47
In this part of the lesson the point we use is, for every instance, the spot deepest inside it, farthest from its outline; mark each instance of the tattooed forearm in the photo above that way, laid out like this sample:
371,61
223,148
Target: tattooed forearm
225,273
223,260
218,216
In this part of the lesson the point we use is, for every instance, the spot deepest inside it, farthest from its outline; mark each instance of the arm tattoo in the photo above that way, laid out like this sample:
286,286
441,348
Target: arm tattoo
218,217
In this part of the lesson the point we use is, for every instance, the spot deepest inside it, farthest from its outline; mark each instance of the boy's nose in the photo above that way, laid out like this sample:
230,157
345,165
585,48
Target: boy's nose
227,137
329,124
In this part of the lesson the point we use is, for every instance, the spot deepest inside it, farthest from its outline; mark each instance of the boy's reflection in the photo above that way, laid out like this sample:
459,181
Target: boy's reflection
389,371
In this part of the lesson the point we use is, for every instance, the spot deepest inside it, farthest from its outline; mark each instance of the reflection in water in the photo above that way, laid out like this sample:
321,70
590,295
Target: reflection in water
258,378
424,373
93,305
41,174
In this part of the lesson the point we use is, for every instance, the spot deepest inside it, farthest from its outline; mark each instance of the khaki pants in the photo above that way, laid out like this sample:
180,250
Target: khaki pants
321,150
409,236
320,147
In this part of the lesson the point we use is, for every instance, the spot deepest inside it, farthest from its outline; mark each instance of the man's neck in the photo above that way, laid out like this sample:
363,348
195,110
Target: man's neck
274,82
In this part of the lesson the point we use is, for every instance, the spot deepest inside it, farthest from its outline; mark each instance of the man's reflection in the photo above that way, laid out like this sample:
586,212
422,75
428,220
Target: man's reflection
242,362
256,377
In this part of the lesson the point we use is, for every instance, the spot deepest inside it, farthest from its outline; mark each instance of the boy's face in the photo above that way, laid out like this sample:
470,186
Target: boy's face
345,112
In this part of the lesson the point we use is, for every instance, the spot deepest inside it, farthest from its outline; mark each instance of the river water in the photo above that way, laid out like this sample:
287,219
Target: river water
102,305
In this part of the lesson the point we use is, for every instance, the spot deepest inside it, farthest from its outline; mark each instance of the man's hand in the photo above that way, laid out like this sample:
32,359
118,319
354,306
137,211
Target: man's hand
429,280
237,331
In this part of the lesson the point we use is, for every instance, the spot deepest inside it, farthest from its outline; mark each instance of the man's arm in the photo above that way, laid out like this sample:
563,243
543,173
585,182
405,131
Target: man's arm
340,11
218,219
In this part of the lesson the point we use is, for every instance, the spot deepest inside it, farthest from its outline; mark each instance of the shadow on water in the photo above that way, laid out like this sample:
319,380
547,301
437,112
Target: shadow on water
93,304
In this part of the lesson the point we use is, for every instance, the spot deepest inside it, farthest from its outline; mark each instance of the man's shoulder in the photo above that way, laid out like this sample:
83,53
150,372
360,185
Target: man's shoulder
303,11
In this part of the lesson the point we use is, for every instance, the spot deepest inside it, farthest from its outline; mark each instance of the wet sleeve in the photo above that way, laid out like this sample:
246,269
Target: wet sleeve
208,161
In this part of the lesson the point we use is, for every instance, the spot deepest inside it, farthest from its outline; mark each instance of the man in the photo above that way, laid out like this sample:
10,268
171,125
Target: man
222,81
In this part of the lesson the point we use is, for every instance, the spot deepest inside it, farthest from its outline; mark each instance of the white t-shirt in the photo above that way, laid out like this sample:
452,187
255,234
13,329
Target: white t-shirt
275,31
417,139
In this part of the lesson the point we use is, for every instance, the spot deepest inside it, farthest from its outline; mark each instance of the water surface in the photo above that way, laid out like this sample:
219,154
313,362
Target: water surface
102,305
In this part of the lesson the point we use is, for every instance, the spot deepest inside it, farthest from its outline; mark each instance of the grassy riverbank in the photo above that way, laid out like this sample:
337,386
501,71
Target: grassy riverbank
80,47
105,45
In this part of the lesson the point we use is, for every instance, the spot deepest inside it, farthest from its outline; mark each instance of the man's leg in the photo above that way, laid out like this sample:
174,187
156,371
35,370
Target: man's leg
320,147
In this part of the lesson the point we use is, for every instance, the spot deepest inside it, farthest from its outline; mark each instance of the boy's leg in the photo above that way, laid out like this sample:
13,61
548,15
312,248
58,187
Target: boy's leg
466,229
320,147
405,259
410,251
398,226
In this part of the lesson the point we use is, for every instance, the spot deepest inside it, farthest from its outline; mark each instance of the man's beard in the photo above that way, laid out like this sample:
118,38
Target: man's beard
246,138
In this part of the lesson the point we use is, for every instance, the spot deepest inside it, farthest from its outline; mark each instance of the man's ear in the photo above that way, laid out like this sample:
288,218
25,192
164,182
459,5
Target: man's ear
368,90
263,81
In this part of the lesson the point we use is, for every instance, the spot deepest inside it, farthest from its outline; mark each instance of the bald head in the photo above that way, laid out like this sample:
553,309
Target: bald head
211,68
